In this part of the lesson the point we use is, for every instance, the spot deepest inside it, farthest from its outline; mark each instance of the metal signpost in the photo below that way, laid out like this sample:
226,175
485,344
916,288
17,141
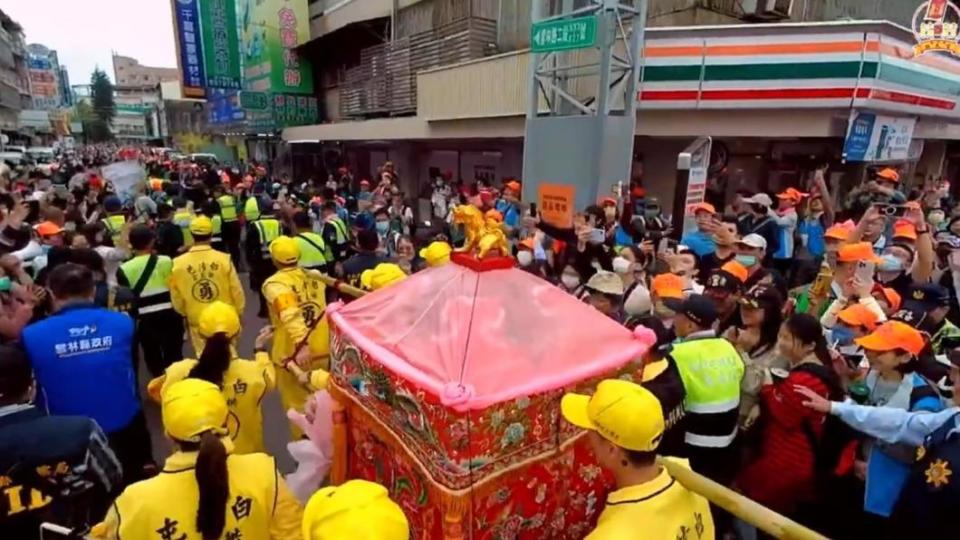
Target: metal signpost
691,187
581,109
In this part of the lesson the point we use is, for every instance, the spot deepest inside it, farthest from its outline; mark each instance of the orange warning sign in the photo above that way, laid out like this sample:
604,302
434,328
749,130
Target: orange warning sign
556,204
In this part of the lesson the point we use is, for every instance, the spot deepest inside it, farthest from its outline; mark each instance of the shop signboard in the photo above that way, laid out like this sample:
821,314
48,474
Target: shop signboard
874,137
692,166
254,101
563,34
283,110
224,107
270,32
189,45
218,23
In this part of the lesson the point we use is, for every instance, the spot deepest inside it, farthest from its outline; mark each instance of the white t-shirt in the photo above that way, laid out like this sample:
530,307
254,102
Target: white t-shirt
112,259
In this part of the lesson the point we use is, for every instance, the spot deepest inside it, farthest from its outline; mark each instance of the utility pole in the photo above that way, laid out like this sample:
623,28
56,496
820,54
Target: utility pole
582,98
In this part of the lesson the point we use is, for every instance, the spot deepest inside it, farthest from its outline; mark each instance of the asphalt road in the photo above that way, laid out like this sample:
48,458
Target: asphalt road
275,431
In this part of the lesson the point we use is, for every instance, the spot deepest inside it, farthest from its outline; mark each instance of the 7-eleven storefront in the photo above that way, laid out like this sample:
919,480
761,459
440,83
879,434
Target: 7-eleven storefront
776,98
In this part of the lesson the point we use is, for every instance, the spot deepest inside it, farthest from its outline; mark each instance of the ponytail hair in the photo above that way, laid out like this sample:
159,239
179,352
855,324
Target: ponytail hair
214,359
212,482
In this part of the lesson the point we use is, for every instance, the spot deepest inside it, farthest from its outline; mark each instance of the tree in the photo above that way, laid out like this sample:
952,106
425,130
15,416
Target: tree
83,113
104,108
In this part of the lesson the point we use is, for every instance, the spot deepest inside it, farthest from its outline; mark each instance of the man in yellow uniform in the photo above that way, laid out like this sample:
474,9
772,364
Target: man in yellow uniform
296,303
354,509
626,423
202,276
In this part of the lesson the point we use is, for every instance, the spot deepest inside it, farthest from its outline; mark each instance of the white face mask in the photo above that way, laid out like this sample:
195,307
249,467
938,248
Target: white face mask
525,258
621,265
638,303
569,281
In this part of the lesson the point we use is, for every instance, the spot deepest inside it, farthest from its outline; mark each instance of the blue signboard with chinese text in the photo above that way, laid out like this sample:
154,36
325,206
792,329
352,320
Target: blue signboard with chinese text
189,43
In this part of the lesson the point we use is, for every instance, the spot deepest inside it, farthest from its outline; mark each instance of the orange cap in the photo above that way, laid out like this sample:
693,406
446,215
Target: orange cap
792,194
859,315
889,174
703,207
494,215
48,228
512,185
860,251
736,270
527,243
904,229
608,201
893,297
893,335
667,286
840,231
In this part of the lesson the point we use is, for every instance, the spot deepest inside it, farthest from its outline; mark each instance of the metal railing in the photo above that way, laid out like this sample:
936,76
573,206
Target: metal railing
385,82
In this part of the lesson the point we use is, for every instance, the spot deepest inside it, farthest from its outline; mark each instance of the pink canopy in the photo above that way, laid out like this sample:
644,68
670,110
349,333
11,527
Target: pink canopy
479,338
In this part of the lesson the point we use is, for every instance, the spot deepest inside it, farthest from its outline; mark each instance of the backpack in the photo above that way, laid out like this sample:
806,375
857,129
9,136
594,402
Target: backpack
833,448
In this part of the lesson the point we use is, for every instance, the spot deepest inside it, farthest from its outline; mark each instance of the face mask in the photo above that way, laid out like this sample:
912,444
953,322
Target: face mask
935,218
383,227
890,263
841,335
746,260
525,258
5,284
638,303
569,281
621,265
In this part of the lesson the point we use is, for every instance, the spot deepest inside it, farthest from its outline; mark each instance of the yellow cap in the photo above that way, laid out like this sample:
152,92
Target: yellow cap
355,509
381,276
624,413
201,226
219,317
285,250
191,407
436,253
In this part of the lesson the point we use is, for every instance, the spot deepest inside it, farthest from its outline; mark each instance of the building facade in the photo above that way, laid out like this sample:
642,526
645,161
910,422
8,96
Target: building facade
129,72
44,69
136,94
773,82
14,85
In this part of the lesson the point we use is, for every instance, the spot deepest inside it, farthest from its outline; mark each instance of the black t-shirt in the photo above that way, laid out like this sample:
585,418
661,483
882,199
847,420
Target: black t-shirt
354,266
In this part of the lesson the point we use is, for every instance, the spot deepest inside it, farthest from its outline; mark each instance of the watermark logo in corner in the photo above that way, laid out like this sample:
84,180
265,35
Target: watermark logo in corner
935,25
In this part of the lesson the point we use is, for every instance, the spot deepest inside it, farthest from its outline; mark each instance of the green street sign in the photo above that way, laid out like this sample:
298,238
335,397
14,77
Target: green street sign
563,34
254,101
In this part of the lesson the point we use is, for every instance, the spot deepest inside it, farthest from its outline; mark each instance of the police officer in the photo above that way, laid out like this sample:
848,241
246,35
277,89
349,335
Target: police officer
314,252
204,490
202,276
231,223
82,357
114,222
216,241
44,467
251,207
296,303
260,232
711,370
336,234
182,216
244,383
160,327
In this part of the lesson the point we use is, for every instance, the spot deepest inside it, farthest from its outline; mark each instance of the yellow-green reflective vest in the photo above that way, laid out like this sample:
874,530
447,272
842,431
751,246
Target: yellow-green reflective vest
711,370
314,253
343,233
155,295
251,209
182,219
217,223
114,225
228,208
268,229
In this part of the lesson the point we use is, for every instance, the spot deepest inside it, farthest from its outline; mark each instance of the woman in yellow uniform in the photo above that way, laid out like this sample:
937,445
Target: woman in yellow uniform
242,382
204,491
354,510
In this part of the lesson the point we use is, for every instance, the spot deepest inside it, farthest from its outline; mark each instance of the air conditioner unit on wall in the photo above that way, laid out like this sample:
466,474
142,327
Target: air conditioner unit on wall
766,10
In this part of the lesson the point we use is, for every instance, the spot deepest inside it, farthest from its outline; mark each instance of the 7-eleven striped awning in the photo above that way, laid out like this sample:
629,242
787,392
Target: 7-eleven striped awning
813,65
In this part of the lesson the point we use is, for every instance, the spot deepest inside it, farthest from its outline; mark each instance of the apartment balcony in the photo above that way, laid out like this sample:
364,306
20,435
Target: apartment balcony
385,82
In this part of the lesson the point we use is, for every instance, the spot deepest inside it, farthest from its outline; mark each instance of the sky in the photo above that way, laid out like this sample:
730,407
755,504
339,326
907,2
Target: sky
85,32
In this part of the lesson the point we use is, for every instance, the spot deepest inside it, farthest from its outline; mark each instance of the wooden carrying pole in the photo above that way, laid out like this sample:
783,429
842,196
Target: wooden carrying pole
752,512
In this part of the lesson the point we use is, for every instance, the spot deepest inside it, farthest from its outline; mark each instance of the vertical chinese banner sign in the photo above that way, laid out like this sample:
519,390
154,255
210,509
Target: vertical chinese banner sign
271,31
218,22
187,29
